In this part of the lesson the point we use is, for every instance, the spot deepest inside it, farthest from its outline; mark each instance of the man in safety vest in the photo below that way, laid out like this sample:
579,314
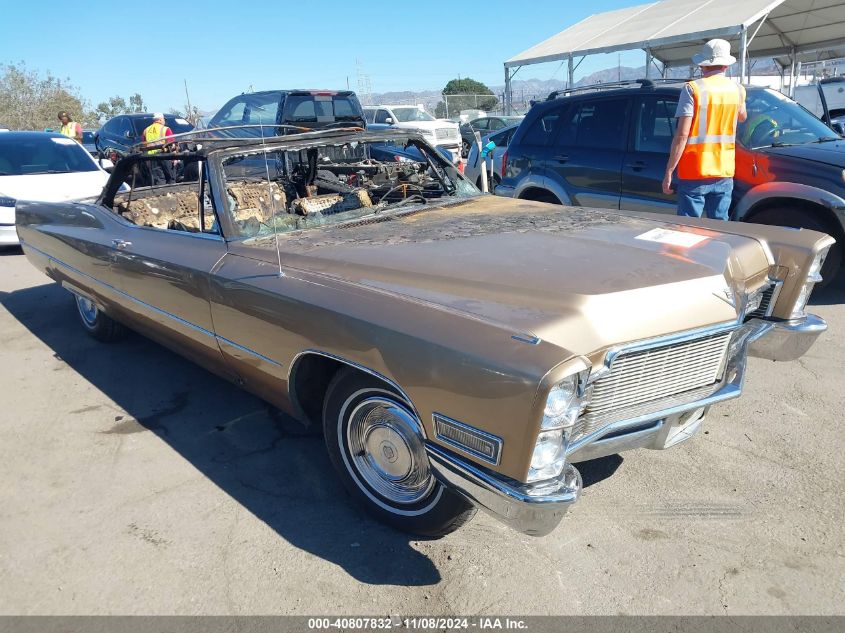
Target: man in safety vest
703,146
157,131
69,128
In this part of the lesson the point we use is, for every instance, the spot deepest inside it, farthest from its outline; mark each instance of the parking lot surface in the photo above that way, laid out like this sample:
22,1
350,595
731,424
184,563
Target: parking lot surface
134,482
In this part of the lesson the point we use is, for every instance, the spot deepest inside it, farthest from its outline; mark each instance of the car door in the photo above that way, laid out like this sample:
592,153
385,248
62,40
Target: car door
382,117
164,272
653,126
586,160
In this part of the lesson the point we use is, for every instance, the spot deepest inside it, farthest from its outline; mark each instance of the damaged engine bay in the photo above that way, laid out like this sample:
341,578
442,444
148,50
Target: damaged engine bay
291,190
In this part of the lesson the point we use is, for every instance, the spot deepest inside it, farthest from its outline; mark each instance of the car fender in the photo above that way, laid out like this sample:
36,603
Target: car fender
794,190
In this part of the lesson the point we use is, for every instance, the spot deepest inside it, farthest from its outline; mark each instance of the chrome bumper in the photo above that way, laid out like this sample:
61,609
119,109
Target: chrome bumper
788,340
531,509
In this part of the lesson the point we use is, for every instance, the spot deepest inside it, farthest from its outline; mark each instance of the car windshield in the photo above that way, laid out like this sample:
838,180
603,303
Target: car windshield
177,124
42,154
404,115
324,184
87,137
775,120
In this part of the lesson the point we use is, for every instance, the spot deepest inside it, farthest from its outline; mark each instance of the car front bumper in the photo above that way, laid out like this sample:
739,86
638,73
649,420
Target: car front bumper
8,235
536,509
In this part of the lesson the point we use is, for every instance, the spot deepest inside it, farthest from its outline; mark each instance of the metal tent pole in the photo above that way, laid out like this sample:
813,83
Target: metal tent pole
647,64
571,73
792,74
743,57
508,96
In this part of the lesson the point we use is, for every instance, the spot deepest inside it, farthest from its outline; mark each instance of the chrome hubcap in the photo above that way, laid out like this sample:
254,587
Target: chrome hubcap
87,310
387,450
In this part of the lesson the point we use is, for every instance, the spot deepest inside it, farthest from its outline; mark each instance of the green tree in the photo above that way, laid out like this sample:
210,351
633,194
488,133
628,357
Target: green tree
30,101
465,94
118,105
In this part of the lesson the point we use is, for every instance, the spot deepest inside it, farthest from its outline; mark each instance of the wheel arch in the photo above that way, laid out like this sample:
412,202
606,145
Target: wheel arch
773,194
540,194
815,209
310,374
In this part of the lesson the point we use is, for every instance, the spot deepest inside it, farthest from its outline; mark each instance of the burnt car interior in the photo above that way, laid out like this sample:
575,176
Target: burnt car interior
181,205
284,190
271,190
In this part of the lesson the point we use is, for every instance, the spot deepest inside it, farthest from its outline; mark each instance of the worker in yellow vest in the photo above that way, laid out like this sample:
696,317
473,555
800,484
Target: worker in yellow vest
160,170
69,128
703,148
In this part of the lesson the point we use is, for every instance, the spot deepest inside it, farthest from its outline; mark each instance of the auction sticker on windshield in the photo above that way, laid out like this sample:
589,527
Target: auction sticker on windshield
675,238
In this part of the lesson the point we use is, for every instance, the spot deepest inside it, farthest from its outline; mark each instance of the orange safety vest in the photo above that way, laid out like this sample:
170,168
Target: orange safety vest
154,132
710,149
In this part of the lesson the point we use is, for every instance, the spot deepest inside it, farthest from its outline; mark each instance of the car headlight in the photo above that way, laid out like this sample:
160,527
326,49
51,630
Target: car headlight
564,403
813,277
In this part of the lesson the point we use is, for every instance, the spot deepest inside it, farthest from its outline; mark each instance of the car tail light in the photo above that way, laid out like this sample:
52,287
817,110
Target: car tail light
505,164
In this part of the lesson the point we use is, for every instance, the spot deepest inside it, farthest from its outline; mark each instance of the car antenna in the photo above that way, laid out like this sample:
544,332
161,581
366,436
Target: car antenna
272,198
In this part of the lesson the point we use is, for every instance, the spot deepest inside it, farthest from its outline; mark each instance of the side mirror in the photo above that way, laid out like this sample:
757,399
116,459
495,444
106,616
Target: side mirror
127,134
839,128
389,121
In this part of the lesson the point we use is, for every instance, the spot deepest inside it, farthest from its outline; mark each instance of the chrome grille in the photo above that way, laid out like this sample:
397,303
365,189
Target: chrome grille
444,133
654,379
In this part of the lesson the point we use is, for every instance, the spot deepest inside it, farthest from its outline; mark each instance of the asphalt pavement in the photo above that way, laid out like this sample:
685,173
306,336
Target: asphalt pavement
134,482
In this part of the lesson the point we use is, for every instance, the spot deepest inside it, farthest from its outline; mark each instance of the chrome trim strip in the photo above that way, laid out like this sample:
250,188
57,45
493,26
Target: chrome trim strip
144,304
222,339
439,418
526,338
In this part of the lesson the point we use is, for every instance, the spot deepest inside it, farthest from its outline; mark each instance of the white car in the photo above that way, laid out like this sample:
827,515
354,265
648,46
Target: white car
834,95
43,166
444,134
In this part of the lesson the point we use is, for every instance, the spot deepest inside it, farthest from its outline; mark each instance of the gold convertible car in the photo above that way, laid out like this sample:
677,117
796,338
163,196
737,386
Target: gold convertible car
457,350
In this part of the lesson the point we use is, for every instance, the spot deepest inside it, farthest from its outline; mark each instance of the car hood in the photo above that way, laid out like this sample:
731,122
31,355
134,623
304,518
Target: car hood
54,187
831,152
583,279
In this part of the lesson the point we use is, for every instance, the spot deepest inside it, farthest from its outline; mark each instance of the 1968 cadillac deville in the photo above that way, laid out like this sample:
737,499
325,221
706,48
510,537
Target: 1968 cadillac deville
458,351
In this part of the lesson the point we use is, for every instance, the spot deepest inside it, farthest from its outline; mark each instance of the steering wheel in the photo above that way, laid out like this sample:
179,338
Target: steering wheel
764,131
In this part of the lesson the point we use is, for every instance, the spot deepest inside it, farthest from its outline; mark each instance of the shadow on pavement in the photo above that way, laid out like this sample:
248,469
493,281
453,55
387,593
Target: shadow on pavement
232,437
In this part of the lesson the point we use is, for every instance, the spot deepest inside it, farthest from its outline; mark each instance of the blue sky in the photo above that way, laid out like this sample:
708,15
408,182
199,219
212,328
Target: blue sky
223,48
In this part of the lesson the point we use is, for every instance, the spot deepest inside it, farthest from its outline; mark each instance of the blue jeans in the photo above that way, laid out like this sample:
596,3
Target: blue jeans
709,195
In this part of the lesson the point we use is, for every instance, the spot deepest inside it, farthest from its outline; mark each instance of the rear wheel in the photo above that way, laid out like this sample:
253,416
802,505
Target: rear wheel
97,324
375,442
465,147
800,219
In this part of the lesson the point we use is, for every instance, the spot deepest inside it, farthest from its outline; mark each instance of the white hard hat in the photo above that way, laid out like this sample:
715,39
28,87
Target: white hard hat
158,115
714,53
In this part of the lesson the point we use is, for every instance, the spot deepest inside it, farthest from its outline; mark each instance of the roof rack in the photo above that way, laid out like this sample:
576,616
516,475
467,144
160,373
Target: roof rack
612,85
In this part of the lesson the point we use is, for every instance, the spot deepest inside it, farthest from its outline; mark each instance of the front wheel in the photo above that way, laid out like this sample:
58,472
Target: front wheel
97,324
465,147
375,443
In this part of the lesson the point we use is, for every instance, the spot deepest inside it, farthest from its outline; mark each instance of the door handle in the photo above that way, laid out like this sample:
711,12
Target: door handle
636,165
120,244
561,158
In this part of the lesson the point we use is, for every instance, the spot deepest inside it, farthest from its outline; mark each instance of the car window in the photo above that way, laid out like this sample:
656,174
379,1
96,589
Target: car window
480,124
656,125
502,138
542,131
382,116
320,108
598,124
496,124
370,116
249,109
42,155
407,114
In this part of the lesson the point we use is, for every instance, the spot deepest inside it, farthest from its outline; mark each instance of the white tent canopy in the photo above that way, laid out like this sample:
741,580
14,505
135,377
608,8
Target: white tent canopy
672,31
